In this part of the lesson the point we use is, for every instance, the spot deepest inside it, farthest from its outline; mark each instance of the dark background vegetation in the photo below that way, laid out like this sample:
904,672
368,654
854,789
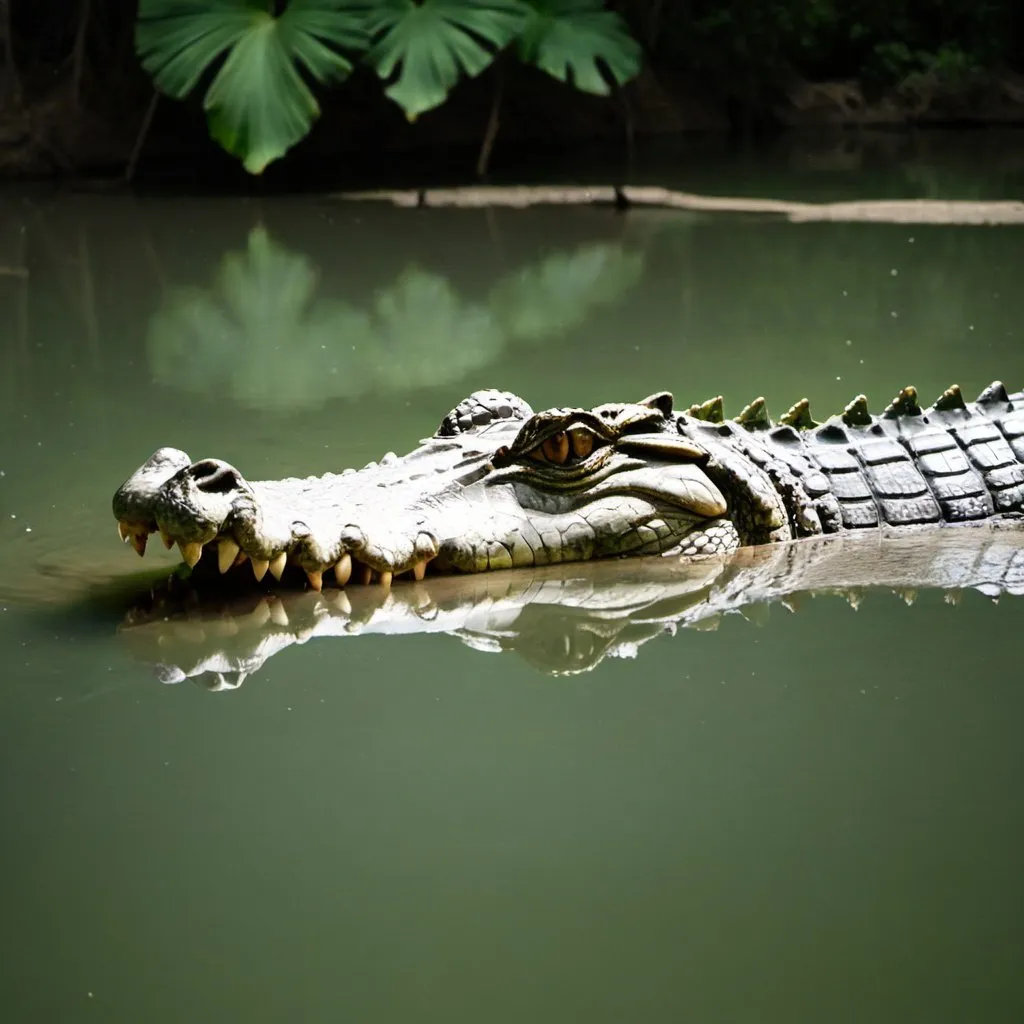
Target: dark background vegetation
73,96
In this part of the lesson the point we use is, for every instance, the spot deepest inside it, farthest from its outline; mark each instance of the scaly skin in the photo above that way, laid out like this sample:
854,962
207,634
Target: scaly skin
500,487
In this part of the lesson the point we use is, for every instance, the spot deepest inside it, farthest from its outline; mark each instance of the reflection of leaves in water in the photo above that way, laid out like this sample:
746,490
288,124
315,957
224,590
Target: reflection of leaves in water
425,334
262,337
561,292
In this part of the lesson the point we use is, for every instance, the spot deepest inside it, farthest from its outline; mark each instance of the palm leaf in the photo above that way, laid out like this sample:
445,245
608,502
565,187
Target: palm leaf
434,42
567,39
258,104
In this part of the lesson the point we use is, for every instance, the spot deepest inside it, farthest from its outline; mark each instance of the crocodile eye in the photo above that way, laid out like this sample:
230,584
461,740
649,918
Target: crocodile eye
565,447
582,442
556,448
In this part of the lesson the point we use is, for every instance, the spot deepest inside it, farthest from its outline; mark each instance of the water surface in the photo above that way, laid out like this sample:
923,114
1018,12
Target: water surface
809,816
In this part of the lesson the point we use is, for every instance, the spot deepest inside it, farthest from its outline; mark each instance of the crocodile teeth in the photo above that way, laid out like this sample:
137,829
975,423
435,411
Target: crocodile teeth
277,564
227,549
385,578
419,570
316,579
278,615
343,570
139,542
190,553
365,575
259,568
168,541
259,615
124,531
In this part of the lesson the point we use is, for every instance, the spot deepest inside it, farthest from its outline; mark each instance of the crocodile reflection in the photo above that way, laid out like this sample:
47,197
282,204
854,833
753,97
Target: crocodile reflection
564,619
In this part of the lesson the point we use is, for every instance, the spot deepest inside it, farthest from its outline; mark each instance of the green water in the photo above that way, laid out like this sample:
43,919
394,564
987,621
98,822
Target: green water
817,817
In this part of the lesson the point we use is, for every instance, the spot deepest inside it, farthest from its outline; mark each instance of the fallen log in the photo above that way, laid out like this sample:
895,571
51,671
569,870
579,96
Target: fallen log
883,211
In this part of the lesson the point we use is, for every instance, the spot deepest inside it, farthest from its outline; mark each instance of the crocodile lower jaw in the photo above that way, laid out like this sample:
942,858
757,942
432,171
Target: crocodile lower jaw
229,556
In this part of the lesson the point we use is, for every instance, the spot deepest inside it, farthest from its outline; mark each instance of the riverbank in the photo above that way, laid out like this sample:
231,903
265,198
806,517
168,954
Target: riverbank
362,136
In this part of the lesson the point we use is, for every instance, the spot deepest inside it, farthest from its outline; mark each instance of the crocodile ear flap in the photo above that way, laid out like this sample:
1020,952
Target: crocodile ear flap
662,401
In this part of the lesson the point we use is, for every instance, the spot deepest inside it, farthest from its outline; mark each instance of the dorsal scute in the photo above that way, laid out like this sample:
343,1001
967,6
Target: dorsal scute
799,416
857,414
950,400
713,410
993,394
755,415
904,404
660,400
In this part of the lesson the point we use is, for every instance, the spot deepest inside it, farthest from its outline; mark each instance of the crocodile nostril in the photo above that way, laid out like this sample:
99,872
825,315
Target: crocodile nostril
215,477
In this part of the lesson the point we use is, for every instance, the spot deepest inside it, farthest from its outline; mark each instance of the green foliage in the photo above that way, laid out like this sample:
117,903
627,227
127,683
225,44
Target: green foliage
745,47
567,38
435,42
258,104
950,69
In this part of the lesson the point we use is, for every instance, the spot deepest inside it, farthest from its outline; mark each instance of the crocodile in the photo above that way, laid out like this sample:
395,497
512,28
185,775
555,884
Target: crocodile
498,486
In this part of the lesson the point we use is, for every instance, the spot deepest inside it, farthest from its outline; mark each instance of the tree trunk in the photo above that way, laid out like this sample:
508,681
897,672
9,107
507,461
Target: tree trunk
493,122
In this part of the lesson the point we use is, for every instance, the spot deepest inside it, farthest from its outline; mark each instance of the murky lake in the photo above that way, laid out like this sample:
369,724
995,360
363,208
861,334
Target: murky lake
572,815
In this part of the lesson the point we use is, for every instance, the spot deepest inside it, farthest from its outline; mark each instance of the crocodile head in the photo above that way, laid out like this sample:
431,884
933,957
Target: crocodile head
495,487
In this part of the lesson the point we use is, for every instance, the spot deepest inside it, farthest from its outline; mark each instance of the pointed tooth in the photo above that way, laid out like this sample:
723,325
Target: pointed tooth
419,570
365,575
385,578
139,542
278,615
226,551
259,568
341,603
316,579
277,564
260,614
343,570
166,538
124,531
190,553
